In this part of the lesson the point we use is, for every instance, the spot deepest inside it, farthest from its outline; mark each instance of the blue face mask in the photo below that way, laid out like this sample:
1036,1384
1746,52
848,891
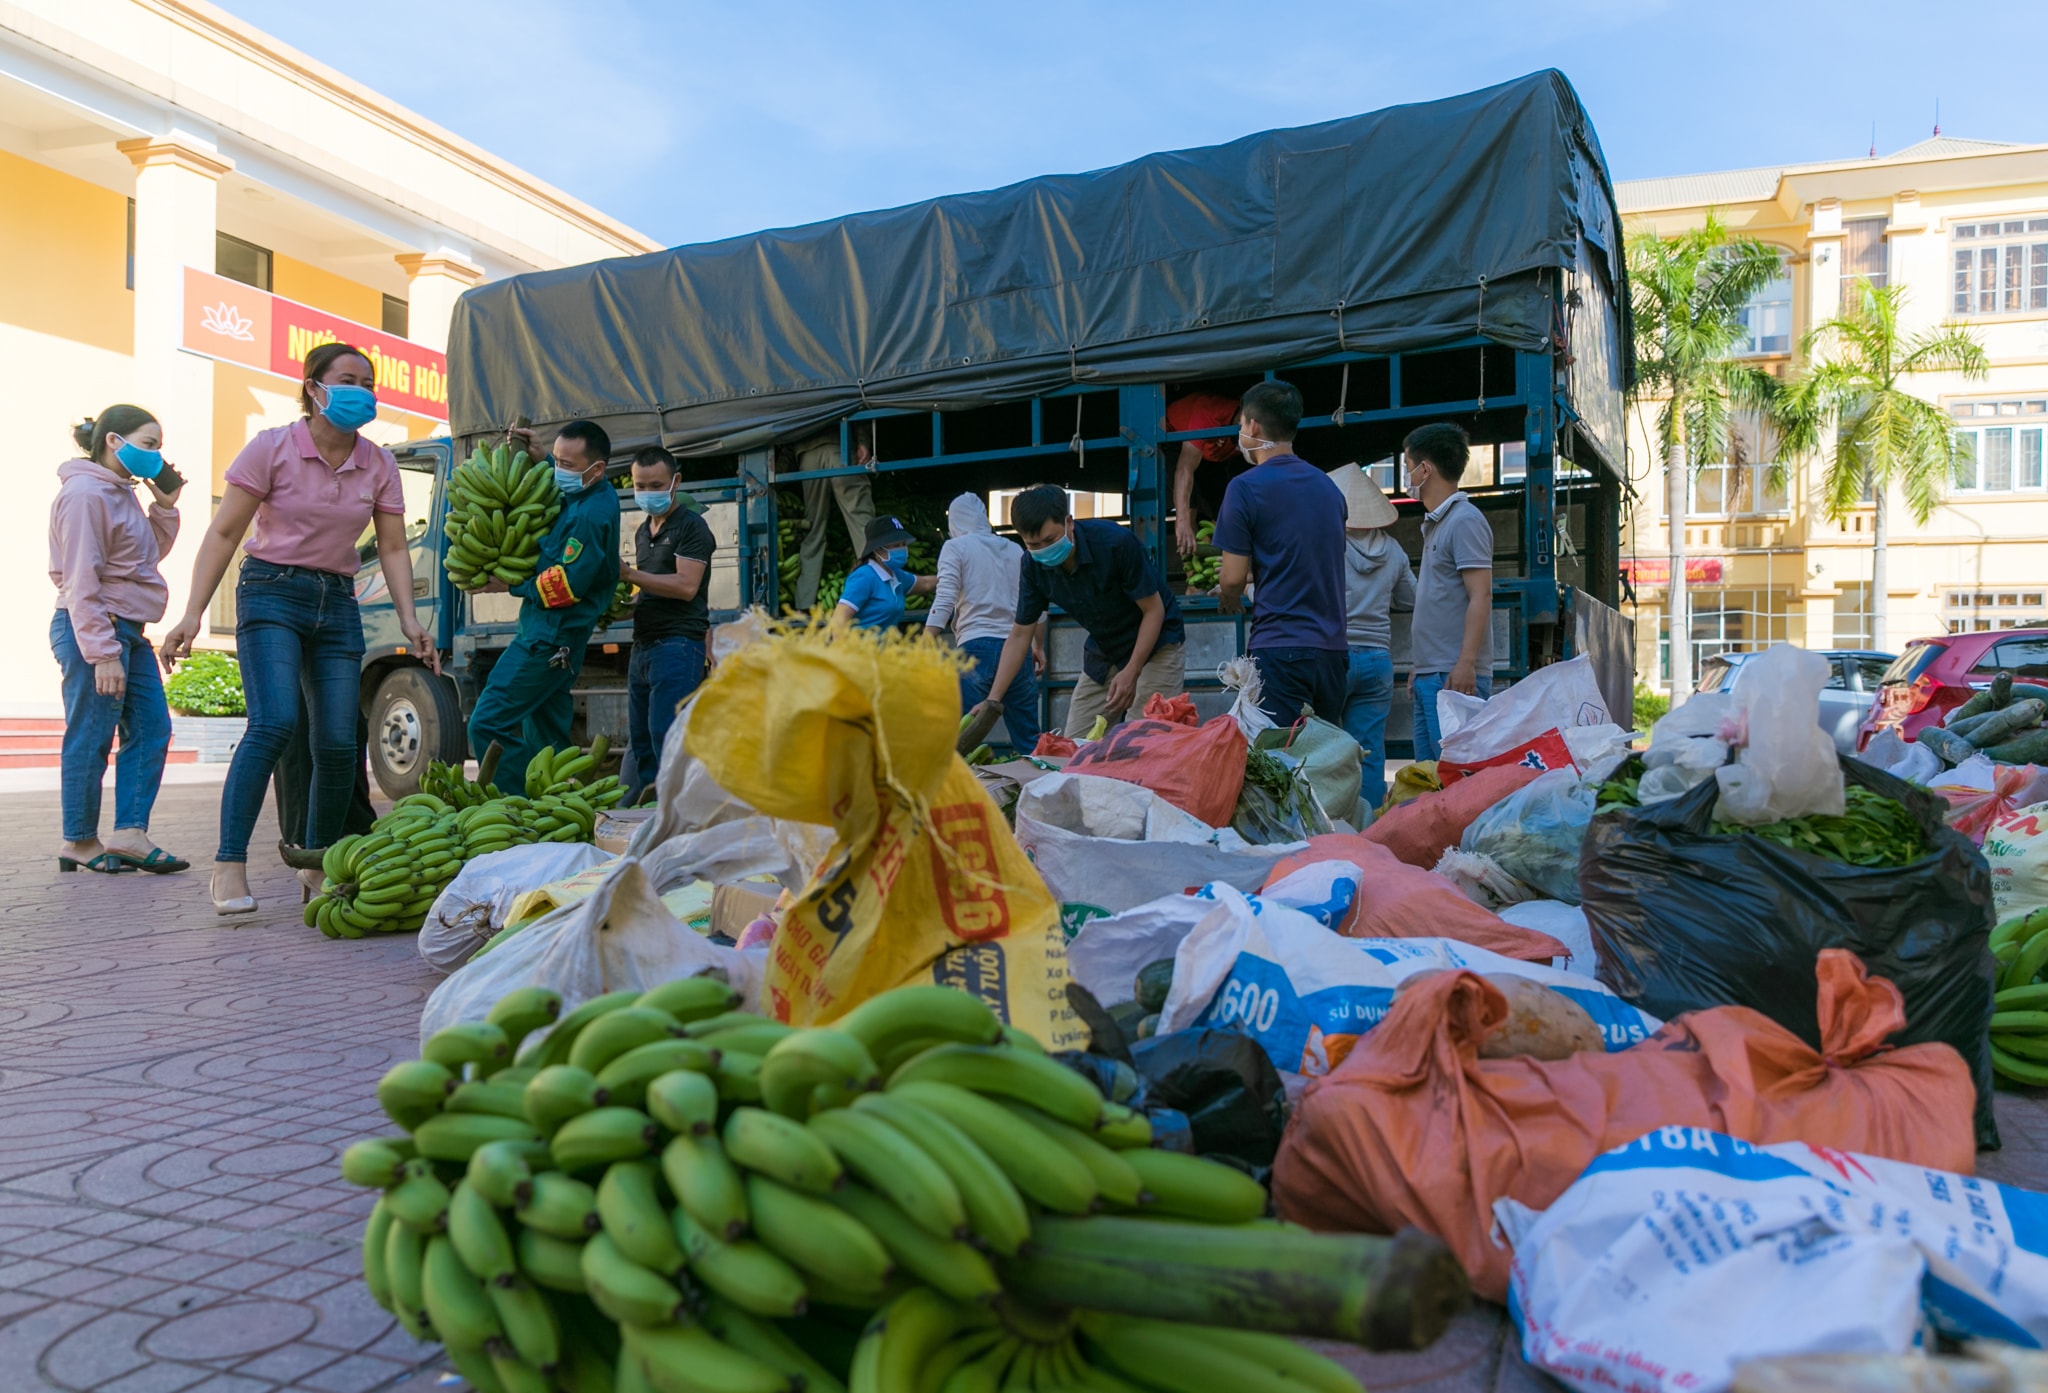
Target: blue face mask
654,504
899,556
1056,554
568,480
143,464
349,407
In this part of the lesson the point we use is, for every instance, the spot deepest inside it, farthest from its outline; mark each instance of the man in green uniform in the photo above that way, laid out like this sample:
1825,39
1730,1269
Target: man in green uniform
526,703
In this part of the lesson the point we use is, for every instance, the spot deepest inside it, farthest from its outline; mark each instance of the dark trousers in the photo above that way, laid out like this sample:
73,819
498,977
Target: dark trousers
292,783
527,704
659,678
1303,677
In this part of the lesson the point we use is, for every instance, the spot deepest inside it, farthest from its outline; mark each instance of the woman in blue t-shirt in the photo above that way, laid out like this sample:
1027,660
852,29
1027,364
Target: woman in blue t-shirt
875,591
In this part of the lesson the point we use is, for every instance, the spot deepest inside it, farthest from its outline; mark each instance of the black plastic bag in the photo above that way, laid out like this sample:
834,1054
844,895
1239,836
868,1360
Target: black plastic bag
1683,918
1226,1085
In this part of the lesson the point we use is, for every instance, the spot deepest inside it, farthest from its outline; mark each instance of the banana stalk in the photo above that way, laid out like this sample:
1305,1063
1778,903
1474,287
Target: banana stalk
1384,1293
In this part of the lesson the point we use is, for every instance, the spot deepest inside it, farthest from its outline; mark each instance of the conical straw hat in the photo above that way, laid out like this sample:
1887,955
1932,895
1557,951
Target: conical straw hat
1364,504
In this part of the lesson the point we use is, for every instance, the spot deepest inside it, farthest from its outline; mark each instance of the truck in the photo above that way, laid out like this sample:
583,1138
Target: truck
1457,260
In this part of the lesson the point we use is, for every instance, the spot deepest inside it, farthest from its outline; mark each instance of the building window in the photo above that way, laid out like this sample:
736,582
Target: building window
1975,611
1743,483
397,317
241,261
2000,267
1730,621
1852,614
1866,256
1767,318
2001,444
131,244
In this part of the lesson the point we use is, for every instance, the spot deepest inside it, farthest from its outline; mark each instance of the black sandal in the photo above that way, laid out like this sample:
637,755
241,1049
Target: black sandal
106,863
158,862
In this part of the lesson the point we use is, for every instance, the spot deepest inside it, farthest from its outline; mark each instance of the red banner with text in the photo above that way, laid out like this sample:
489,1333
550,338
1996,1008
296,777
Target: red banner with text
238,323
1699,570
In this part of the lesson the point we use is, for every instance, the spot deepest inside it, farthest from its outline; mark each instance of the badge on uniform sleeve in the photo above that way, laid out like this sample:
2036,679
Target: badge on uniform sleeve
573,550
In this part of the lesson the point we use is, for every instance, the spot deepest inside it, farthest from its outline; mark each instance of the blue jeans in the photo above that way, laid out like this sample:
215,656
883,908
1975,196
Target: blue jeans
659,677
1423,687
298,631
1020,703
1368,693
91,721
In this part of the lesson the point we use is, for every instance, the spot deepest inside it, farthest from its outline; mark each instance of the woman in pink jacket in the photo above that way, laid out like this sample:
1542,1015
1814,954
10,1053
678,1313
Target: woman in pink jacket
104,553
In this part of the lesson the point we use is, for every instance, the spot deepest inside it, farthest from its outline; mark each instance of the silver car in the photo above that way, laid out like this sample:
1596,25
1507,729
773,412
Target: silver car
1852,687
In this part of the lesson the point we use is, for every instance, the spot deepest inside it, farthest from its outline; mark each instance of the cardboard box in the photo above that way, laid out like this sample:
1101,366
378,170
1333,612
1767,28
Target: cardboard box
616,828
733,907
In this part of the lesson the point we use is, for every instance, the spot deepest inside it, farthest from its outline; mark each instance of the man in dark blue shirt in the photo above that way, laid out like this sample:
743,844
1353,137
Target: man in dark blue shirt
1098,573
1282,526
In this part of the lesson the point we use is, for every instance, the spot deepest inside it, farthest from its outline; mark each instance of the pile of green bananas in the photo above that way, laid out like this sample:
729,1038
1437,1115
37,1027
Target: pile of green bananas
385,880
622,604
2019,1020
562,773
1204,571
500,505
664,1194
789,541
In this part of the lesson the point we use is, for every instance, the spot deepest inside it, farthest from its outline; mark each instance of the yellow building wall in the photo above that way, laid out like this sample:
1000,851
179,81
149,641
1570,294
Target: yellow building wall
324,290
66,339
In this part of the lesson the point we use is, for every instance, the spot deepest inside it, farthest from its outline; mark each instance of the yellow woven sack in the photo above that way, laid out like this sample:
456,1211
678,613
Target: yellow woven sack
925,883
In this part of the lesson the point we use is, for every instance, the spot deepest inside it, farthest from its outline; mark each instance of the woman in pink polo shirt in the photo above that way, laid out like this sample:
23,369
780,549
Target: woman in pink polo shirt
312,488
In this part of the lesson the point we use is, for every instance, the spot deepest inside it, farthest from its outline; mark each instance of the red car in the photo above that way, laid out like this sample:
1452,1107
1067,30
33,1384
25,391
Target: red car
1936,675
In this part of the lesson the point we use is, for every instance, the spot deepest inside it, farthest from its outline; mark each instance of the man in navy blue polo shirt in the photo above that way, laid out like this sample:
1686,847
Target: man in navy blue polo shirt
1098,573
1282,526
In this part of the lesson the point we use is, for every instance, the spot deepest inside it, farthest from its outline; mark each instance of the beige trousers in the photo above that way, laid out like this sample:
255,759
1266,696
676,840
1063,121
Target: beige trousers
1165,672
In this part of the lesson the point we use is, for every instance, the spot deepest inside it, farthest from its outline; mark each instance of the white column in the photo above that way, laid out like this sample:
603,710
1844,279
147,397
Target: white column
177,182
435,280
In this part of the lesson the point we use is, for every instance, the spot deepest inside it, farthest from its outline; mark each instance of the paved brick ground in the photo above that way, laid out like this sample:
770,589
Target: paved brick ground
174,1091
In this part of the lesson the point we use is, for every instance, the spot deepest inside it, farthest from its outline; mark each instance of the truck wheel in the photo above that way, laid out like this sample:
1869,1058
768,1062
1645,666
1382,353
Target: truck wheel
414,719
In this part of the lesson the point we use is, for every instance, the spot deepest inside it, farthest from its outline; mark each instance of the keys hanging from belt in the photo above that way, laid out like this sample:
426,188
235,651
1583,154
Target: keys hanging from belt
560,658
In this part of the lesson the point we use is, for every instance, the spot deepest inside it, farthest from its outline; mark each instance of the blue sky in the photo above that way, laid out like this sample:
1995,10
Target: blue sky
694,121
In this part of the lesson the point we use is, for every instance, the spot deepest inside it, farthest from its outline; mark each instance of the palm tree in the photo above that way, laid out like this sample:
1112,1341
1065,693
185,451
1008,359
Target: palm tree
1884,435
1688,293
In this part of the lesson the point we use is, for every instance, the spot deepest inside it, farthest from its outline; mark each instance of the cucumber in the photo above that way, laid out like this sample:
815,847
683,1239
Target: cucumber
2030,748
2001,691
1952,748
1155,980
1975,706
2002,727
1970,724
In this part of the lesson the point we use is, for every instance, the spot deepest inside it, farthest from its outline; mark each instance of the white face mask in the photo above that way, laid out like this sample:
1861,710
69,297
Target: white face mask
1248,447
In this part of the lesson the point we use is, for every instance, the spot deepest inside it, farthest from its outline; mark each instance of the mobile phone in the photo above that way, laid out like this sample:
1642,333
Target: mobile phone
168,479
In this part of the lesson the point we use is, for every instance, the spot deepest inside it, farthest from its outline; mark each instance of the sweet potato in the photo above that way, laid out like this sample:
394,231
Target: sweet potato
1541,1023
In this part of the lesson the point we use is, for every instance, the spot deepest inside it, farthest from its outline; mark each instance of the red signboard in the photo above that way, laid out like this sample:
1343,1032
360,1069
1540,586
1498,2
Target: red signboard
238,323
1699,570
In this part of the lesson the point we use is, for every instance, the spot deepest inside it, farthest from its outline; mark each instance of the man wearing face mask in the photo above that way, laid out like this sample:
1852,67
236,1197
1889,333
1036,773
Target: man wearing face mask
1283,525
1099,574
671,555
526,702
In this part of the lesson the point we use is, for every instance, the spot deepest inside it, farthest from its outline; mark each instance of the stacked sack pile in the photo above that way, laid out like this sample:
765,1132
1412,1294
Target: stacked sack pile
666,1193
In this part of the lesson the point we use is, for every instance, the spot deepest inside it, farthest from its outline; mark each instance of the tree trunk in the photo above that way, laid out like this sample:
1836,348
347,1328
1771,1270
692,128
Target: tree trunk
1880,600
1677,612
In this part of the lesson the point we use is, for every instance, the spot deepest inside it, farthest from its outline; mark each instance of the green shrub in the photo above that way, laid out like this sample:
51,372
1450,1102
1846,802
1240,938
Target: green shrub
206,684
1650,706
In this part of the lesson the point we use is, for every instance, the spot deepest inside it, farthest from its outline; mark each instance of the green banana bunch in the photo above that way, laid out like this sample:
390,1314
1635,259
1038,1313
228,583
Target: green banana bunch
621,608
622,1191
386,880
2019,1020
500,505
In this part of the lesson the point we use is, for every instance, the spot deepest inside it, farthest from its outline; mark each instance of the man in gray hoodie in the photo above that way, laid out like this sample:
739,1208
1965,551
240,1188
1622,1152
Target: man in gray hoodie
1377,582
977,600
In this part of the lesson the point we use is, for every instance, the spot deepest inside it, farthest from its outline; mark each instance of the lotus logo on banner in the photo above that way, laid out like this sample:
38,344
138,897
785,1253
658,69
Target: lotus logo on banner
224,319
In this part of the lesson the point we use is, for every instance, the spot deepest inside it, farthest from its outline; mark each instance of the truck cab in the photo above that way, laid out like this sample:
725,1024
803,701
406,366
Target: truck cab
417,716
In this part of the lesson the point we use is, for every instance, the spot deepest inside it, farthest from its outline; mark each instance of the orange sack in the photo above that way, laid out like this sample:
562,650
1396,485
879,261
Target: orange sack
1415,1128
1198,769
1399,901
1422,829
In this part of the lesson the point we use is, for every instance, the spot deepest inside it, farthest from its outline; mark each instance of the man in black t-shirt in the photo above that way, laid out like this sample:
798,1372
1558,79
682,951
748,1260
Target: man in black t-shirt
671,557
